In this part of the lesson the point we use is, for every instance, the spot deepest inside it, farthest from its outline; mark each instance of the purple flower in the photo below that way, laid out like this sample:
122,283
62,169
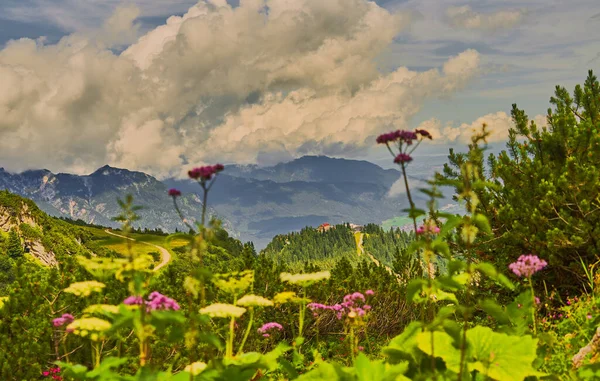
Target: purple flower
174,192
407,136
527,265
206,172
424,134
402,158
133,300
388,138
158,301
267,327
65,319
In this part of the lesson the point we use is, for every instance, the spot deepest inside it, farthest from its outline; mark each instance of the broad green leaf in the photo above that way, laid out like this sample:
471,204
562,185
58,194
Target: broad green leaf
500,356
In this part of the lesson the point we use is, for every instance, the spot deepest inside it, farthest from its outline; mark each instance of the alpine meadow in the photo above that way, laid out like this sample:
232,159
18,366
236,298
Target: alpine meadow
287,190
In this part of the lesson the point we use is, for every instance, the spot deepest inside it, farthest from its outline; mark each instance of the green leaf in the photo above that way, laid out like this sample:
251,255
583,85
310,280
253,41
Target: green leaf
402,347
495,310
500,356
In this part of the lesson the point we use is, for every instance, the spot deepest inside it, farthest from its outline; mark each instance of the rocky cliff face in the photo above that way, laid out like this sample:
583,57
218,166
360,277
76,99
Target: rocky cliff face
13,218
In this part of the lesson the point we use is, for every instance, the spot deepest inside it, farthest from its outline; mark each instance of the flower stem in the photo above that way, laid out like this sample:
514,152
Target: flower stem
247,331
533,307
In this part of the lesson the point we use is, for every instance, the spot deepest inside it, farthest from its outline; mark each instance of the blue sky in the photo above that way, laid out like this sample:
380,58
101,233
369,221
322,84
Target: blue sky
239,84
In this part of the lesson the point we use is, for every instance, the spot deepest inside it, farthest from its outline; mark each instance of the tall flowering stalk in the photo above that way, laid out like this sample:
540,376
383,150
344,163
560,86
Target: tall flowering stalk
205,176
525,267
403,140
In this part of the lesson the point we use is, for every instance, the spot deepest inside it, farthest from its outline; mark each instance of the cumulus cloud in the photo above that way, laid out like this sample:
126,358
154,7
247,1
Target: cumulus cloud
270,78
498,124
465,17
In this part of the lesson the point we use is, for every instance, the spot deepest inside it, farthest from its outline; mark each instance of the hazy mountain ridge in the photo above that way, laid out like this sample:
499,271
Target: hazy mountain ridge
255,203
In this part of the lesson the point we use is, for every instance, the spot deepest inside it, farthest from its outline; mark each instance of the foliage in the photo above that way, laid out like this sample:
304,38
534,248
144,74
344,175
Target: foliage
311,306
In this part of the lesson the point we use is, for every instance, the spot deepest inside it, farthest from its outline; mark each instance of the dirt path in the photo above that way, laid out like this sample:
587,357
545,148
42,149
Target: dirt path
359,238
165,256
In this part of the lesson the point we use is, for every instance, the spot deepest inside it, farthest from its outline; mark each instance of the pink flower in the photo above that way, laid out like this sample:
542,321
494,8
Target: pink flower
158,301
527,265
424,134
65,319
206,172
589,316
174,192
402,158
369,292
268,327
133,300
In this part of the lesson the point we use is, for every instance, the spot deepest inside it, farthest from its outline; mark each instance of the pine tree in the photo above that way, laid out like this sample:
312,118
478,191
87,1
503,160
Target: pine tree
15,248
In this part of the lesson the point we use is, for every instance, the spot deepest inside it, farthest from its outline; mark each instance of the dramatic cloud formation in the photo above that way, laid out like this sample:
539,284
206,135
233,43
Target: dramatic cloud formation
270,77
465,17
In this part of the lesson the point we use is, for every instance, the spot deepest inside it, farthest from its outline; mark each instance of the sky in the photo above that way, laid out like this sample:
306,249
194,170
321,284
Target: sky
164,85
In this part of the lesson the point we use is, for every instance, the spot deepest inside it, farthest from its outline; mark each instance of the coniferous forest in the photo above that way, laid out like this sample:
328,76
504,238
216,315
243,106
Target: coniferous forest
507,290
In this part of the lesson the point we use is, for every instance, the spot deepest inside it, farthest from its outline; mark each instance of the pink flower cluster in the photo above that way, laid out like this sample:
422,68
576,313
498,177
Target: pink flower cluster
353,306
402,158
53,372
205,173
156,301
404,136
174,192
428,229
527,265
268,327
65,319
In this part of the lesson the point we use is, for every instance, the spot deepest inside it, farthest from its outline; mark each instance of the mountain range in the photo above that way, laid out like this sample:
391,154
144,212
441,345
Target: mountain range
254,203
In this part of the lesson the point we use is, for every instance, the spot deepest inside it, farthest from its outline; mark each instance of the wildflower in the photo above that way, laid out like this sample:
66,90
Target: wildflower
223,310
424,134
269,327
83,327
251,300
205,173
304,279
85,288
388,137
402,158
234,283
196,368
429,227
133,300
537,300
174,192
64,319
407,136
589,316
286,296
101,308
369,292
160,302
527,265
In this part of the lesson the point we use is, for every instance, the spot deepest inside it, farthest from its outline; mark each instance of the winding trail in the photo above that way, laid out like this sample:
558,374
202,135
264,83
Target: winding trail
165,256
359,237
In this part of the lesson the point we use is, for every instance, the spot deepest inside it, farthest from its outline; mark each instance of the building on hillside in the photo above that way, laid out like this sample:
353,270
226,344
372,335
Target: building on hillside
324,227
356,228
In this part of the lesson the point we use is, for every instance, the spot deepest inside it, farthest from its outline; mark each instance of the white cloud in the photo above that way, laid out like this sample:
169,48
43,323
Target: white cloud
180,93
498,124
465,17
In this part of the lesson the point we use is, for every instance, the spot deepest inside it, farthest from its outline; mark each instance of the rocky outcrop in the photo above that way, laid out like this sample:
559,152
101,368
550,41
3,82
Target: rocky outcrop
12,219
39,251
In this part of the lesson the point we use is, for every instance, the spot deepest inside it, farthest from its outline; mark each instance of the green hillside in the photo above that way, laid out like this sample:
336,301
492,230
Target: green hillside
325,248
